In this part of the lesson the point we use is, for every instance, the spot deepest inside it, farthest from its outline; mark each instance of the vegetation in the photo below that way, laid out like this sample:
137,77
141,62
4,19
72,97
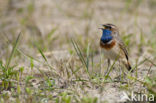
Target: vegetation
49,50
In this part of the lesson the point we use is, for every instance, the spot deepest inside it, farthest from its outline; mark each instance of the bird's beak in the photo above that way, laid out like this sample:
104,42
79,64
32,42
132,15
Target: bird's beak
104,25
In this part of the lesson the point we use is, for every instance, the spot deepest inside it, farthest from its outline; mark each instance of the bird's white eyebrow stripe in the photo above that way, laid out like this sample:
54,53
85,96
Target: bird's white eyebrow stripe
111,25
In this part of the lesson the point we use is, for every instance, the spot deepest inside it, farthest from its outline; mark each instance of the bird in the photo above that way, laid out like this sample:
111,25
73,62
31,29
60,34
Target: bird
112,45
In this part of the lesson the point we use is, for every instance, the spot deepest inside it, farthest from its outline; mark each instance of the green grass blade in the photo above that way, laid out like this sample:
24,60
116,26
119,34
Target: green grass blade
143,61
79,53
44,57
88,50
13,51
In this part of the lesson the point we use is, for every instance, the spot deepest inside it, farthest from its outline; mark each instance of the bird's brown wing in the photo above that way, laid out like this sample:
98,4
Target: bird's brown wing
123,47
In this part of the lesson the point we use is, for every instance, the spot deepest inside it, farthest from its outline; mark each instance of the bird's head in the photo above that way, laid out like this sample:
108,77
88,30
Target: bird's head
109,27
108,32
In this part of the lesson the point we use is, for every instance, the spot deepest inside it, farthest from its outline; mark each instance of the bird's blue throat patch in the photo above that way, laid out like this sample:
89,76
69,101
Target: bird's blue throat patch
106,36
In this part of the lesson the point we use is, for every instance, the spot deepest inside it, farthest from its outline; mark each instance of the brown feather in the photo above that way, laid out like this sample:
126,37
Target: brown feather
116,41
123,48
107,46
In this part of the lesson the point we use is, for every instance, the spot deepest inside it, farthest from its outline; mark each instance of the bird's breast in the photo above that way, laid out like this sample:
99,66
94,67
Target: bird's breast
112,50
108,46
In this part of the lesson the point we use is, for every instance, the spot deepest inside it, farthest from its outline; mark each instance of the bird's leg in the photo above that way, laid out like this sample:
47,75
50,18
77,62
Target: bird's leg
108,61
123,74
120,72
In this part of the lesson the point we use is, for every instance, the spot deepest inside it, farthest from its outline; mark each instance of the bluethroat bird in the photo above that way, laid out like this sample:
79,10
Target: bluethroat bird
112,45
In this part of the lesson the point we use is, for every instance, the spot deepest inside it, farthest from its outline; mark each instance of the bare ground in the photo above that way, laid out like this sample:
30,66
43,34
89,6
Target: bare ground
51,24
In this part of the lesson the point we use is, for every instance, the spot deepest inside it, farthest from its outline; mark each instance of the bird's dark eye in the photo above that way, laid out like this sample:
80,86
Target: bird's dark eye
109,27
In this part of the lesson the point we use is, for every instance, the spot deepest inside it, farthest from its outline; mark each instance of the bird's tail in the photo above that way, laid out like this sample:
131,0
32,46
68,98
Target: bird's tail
128,66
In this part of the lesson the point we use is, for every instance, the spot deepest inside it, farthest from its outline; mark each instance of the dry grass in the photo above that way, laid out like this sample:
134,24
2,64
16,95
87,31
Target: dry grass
57,57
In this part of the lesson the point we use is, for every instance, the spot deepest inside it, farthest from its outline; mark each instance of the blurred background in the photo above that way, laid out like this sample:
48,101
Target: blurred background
51,24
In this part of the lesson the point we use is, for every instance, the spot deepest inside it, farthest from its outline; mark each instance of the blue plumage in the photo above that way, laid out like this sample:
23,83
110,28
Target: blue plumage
106,36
